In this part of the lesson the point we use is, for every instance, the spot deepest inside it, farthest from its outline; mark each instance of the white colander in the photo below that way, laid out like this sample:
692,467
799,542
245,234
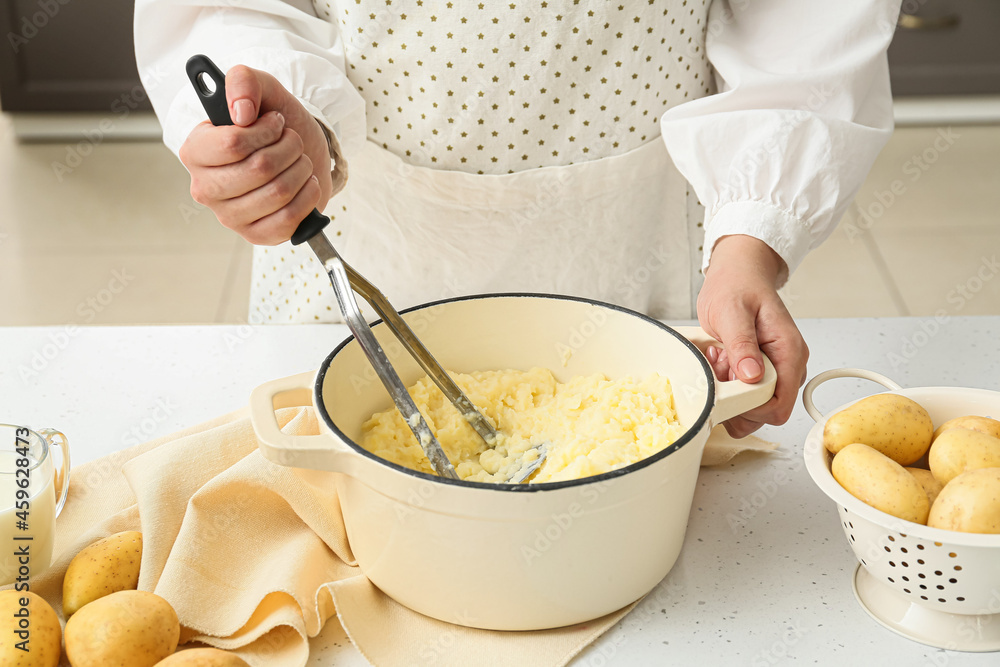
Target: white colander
935,586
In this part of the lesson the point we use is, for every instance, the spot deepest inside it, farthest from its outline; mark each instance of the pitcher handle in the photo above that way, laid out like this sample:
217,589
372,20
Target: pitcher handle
60,480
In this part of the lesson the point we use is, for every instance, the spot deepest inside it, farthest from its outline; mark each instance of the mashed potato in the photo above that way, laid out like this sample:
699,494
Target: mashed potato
592,425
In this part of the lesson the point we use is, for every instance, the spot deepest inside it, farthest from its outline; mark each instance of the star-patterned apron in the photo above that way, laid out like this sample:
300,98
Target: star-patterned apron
439,202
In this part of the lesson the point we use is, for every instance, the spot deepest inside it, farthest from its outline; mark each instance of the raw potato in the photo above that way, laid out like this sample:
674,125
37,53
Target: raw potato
973,423
104,567
43,634
124,629
203,657
970,503
927,480
959,449
892,424
877,480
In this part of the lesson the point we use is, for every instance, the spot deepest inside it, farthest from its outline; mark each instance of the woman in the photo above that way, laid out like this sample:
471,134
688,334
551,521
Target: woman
544,147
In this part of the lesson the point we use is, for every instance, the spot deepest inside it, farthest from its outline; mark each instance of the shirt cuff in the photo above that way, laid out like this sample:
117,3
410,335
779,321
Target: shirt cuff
786,234
338,164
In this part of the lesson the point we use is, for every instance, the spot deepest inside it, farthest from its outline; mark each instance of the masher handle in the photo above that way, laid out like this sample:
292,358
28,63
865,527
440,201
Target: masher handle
213,98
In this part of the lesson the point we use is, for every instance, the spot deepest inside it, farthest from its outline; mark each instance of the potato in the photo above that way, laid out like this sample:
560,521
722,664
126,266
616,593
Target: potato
927,480
40,634
892,424
877,480
959,449
104,567
970,503
973,423
203,657
124,629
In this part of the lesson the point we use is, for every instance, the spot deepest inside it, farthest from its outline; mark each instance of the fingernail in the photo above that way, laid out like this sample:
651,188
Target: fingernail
749,368
243,110
713,353
281,119
314,179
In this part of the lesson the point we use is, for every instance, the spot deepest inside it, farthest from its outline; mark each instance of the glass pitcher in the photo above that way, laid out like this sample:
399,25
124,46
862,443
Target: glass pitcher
32,493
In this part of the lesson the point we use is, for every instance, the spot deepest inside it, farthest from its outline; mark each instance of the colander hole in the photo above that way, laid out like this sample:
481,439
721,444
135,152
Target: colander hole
891,580
923,597
960,599
863,562
923,588
920,546
920,560
953,581
906,590
851,525
891,539
852,538
922,575
958,568
902,534
938,544
953,555
941,600
892,564
937,572
903,549
904,563
887,549
940,587
905,578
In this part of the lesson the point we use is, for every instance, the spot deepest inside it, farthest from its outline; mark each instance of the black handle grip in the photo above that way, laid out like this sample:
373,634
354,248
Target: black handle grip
310,226
199,68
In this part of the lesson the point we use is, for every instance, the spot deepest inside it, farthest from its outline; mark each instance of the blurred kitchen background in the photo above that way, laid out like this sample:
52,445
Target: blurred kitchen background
98,226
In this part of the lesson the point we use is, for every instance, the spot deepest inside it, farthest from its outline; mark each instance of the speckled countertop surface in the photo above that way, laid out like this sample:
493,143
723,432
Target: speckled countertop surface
765,574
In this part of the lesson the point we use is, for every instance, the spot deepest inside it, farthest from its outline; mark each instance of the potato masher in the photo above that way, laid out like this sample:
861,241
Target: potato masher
346,281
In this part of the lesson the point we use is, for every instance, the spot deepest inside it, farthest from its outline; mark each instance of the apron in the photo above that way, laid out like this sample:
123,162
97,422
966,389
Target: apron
624,229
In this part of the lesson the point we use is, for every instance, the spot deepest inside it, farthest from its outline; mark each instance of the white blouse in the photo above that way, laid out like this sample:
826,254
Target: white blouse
774,110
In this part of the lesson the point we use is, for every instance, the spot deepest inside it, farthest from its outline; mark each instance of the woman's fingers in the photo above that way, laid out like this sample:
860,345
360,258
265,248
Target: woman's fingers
256,170
271,197
213,146
279,226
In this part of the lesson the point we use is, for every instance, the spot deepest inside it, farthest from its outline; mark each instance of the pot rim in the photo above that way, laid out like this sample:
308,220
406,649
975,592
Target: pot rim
687,437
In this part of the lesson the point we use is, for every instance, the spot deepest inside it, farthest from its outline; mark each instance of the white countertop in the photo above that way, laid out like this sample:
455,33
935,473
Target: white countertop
765,573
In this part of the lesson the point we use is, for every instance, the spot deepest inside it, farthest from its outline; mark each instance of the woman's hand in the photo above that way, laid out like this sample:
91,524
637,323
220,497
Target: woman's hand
264,174
740,307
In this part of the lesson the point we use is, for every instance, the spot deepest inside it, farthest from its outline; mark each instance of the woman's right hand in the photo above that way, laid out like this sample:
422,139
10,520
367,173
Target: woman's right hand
264,174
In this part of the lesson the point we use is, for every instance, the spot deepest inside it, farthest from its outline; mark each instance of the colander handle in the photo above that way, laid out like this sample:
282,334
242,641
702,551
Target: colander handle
807,392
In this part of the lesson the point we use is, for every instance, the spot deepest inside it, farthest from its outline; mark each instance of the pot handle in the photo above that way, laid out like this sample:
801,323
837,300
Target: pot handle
317,452
807,391
733,397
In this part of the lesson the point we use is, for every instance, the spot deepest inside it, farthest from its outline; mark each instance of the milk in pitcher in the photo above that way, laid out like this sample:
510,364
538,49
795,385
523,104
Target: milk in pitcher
25,539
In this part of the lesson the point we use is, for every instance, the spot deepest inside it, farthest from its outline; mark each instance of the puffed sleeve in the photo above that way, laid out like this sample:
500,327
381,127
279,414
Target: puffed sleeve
802,110
284,38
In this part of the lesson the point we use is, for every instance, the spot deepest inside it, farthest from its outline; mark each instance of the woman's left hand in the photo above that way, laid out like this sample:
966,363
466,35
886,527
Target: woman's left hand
740,307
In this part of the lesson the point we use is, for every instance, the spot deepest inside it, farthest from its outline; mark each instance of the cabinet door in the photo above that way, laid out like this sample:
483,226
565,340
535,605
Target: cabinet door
944,47
69,55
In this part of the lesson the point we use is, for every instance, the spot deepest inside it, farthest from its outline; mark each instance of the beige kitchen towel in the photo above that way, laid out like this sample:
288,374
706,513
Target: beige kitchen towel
256,560
722,447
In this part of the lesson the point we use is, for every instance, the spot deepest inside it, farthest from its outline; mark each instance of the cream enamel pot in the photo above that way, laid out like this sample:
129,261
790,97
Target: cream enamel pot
509,557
